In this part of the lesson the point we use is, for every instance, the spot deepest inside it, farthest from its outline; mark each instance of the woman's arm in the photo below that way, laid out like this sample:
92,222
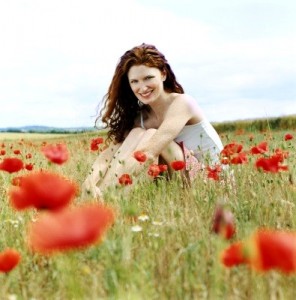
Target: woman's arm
179,113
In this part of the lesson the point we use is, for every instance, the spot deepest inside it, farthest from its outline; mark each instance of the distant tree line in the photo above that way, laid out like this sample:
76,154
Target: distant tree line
280,123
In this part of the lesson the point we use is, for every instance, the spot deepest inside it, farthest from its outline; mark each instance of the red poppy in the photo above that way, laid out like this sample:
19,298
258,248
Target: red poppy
57,154
271,164
94,145
29,155
234,255
69,229
178,165
231,149
275,250
214,172
16,180
260,148
288,137
2,152
11,165
239,158
17,152
154,170
163,168
140,156
29,167
223,223
9,259
280,154
42,190
125,179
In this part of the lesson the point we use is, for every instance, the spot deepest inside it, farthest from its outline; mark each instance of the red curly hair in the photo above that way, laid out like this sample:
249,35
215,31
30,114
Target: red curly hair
121,106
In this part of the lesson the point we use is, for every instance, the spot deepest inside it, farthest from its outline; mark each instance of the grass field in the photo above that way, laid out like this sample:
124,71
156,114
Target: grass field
173,254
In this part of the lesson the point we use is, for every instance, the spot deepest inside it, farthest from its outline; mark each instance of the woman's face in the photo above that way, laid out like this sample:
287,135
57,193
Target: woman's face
146,83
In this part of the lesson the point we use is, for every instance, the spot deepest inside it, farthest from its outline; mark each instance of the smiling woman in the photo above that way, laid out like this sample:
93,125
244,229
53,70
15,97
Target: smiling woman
146,111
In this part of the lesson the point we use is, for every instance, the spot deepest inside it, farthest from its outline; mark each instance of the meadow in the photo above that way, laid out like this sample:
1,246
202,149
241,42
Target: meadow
161,245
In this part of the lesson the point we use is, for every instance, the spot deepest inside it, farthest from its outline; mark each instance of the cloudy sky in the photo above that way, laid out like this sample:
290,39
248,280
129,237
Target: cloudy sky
237,58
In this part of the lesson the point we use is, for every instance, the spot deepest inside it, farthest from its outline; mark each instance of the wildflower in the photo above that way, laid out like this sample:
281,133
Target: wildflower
140,156
2,152
143,218
17,152
94,146
280,154
125,179
163,168
11,165
70,228
42,190
239,158
178,165
234,255
28,155
214,172
9,259
231,149
57,154
260,148
136,228
288,137
265,250
154,170
271,164
29,167
223,223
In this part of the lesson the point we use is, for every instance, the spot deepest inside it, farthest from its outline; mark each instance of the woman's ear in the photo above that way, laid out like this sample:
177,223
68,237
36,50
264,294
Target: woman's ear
163,76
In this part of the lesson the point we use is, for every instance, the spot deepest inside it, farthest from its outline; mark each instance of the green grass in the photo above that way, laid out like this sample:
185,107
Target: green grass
175,256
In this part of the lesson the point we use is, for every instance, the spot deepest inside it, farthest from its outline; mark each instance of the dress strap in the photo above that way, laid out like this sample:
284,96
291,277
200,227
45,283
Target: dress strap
142,121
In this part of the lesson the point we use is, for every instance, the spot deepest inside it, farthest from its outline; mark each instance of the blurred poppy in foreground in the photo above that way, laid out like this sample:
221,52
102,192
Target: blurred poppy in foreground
95,143
223,222
11,165
42,190
265,250
239,158
140,156
270,164
57,154
178,165
9,259
70,228
288,136
125,179
154,170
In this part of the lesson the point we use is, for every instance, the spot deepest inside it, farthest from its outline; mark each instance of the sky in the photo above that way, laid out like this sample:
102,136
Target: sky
57,58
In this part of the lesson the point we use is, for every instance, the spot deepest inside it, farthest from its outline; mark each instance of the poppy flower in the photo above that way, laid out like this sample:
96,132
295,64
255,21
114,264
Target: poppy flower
57,154
125,179
11,165
270,164
17,152
94,145
9,259
140,156
274,250
29,167
214,172
234,255
231,149
163,168
288,137
2,152
178,165
239,158
280,154
223,223
16,181
42,190
68,229
28,155
260,148
154,170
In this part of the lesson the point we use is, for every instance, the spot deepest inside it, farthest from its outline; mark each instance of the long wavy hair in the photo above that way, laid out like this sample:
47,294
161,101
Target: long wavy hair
121,106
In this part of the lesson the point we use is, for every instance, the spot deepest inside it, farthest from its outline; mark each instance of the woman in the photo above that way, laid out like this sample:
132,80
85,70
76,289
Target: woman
146,110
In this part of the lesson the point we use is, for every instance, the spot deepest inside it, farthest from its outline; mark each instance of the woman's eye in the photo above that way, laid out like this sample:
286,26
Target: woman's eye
149,77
